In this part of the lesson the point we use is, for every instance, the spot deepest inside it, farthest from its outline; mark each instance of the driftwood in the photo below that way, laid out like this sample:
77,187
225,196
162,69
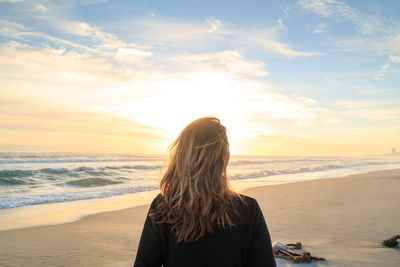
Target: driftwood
391,242
297,245
295,257
312,257
279,253
304,257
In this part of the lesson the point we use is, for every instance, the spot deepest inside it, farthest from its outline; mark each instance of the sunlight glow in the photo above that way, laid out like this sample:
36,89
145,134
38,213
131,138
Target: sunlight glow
180,102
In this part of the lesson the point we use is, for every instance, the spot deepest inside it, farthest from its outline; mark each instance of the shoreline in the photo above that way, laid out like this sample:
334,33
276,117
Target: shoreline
69,212
72,211
342,219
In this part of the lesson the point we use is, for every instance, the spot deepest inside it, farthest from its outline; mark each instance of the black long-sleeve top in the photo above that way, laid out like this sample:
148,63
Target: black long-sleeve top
246,244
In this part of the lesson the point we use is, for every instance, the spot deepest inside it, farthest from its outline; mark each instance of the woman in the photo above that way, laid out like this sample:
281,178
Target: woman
197,219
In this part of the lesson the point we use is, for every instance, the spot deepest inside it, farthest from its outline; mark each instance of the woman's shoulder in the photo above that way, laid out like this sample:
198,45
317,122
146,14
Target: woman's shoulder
156,200
248,201
246,205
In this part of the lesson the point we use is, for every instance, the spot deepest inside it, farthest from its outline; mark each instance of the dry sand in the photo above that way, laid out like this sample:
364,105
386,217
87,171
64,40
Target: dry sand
341,219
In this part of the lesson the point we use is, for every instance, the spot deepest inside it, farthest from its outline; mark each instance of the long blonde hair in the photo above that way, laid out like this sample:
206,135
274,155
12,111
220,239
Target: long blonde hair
196,195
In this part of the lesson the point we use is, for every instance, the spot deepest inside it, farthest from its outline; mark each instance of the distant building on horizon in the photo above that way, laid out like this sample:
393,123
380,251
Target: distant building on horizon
394,152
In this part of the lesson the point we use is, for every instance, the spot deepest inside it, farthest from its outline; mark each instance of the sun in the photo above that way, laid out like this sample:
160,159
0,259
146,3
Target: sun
178,102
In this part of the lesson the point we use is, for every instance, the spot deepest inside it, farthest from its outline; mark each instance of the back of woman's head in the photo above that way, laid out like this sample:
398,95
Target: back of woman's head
195,191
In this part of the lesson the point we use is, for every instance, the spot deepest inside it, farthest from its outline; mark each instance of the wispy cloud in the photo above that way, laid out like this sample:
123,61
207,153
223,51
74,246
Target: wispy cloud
40,8
378,114
320,28
376,33
367,24
55,65
214,32
354,104
107,44
225,62
330,8
11,1
366,110
92,2
395,59
283,49
285,9
214,24
158,32
341,11
123,51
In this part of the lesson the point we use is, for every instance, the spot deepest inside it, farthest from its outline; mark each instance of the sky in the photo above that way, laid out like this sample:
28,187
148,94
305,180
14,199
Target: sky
289,78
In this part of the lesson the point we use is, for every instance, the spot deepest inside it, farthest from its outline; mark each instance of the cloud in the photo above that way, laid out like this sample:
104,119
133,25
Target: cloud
366,24
107,40
395,59
352,104
306,100
285,9
159,33
131,54
280,106
11,1
225,62
283,49
320,28
67,78
330,8
378,114
383,71
377,33
214,24
301,123
11,29
366,109
20,32
340,11
48,64
40,7
163,32
386,69
107,44
124,51
386,66
189,35
267,38
92,2
79,28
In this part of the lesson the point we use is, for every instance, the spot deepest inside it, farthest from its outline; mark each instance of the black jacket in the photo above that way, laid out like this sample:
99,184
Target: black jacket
246,244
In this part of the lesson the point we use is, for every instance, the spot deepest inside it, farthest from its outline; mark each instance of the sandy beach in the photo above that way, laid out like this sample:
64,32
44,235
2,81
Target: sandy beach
341,219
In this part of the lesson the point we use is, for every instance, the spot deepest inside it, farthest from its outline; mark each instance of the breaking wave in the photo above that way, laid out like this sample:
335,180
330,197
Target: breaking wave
91,182
14,173
28,200
264,173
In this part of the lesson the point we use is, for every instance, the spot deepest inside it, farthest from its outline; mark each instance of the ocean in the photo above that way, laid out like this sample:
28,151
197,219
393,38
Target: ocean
38,178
